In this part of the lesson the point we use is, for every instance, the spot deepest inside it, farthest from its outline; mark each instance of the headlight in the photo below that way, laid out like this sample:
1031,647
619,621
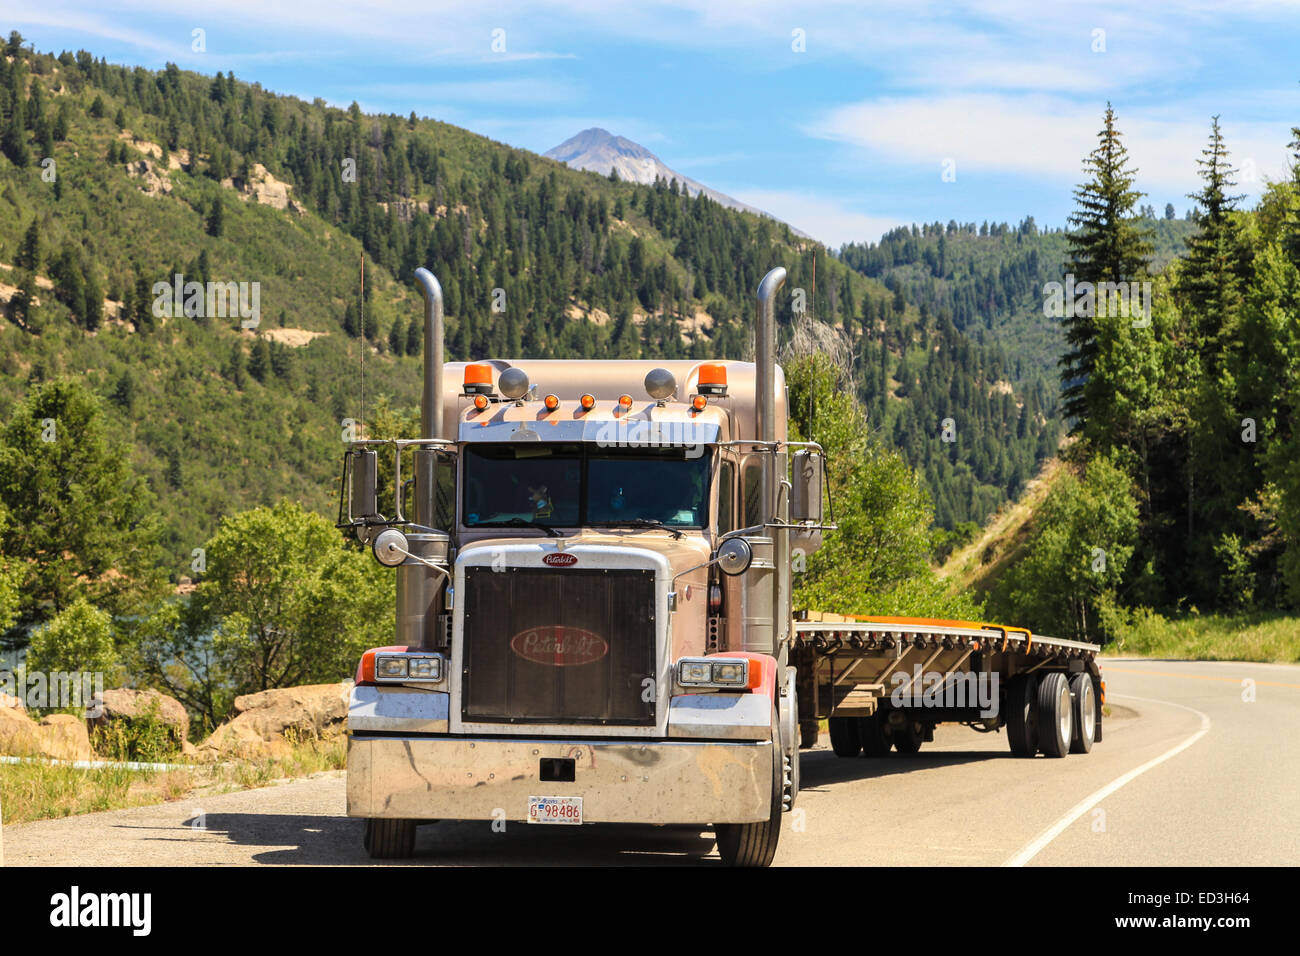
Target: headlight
724,673
390,668
729,672
426,668
695,672
396,667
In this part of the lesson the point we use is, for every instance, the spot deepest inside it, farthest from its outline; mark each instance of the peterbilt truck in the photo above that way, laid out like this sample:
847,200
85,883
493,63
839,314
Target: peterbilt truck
594,615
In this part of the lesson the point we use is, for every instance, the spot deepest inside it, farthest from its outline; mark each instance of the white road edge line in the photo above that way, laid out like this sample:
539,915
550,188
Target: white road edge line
1035,846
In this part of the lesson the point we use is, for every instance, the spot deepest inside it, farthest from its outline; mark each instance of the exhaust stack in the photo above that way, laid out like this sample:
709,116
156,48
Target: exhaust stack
431,407
419,586
765,374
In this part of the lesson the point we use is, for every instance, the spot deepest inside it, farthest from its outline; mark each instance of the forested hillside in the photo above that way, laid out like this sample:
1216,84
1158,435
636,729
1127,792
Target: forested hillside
114,179
1181,492
989,278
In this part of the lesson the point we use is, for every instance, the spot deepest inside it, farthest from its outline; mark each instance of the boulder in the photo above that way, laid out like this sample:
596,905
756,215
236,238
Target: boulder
64,736
127,705
18,733
60,735
9,701
267,724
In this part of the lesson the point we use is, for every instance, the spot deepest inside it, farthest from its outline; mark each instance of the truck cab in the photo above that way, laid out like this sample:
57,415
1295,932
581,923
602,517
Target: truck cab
593,598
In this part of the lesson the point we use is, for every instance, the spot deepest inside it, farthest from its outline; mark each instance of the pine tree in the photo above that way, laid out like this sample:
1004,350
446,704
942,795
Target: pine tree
397,337
29,253
414,336
1107,246
216,218
259,360
1217,264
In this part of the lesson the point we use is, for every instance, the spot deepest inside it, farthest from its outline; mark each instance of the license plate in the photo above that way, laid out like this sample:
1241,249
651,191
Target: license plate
562,810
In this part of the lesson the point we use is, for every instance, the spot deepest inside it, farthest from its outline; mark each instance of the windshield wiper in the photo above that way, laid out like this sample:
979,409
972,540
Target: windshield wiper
645,523
523,523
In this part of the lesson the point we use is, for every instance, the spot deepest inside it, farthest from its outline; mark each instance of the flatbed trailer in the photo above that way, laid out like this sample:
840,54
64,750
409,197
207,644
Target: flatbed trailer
885,682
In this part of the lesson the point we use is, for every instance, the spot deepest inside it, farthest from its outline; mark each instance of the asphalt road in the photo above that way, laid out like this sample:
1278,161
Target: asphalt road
1192,771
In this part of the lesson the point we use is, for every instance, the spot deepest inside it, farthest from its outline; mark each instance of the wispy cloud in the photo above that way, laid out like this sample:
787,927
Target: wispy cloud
1042,136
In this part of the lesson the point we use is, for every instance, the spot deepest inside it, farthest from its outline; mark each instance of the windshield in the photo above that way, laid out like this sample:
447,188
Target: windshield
571,485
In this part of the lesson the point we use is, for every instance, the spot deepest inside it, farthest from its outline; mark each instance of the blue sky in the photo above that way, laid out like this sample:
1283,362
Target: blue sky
838,117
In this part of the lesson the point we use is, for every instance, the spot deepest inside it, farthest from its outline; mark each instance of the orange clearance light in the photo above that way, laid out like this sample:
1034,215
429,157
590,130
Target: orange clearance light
588,402
552,402
698,402
625,401
713,379
478,378
480,402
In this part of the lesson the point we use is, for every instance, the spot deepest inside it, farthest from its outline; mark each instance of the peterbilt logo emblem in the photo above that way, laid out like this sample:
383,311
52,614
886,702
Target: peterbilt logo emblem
560,559
559,646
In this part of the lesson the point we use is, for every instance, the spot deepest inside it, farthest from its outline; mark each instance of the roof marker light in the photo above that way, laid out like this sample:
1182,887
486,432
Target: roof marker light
480,402
712,379
698,402
552,402
588,402
478,378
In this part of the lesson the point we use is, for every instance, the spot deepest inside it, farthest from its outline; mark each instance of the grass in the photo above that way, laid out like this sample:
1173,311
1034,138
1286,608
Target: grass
38,791
978,565
1247,636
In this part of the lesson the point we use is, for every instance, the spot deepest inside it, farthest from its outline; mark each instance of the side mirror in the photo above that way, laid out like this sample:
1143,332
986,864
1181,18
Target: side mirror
363,498
735,556
391,547
807,479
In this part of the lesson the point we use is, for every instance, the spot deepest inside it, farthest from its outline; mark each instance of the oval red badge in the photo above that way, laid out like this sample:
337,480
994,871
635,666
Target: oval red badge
560,559
559,646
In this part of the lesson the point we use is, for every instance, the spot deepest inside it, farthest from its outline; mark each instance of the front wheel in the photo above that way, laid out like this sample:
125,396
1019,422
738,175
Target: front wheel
754,844
390,839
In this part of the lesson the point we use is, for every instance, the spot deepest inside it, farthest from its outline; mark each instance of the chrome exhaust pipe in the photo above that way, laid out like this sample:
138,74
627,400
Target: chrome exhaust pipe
418,585
431,407
765,354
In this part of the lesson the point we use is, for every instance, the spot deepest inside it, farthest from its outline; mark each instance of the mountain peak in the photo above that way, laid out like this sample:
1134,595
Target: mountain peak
598,150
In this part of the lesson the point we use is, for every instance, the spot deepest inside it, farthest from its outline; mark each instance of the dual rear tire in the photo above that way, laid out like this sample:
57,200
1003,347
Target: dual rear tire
1056,715
873,736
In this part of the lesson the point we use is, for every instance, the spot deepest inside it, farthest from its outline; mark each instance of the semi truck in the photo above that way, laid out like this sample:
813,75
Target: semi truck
594,613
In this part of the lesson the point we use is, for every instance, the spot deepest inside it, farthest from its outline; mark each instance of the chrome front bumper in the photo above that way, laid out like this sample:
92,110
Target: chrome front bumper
439,778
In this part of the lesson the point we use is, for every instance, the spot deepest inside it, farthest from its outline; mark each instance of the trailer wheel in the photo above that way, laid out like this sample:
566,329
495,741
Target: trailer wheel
1055,715
390,839
844,736
754,844
909,737
1085,714
873,734
1022,715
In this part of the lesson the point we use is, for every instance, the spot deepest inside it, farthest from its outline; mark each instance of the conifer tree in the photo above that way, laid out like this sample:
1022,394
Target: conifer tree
1107,245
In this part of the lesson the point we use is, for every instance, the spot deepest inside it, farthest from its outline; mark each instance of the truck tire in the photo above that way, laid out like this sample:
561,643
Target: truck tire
390,839
1055,715
1086,713
1022,715
808,734
844,736
754,844
909,737
874,736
